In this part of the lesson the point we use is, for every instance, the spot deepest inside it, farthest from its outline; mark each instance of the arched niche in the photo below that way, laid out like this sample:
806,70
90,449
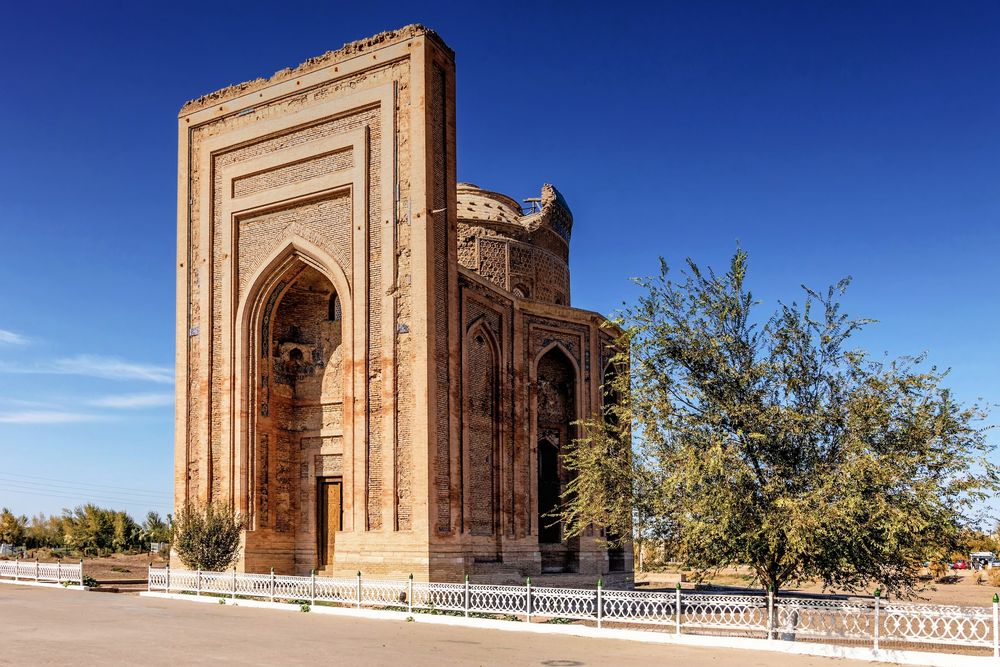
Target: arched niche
556,409
296,391
481,431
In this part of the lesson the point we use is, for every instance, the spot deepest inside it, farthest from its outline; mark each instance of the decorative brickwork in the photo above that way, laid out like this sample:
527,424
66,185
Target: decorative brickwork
439,222
338,160
482,428
351,321
525,253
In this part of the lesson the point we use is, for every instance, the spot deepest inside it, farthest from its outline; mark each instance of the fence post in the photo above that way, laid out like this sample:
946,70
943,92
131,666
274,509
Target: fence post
409,594
36,569
996,625
677,609
770,613
359,589
312,586
17,567
528,603
600,605
81,573
197,581
272,584
167,590
59,574
234,583
878,617
466,596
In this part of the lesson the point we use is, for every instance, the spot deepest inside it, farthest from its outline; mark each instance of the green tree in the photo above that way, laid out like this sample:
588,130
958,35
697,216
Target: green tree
12,527
93,529
127,534
155,529
768,442
208,537
88,528
44,531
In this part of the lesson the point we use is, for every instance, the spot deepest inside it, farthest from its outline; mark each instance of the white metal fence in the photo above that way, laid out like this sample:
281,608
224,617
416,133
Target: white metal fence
876,623
56,573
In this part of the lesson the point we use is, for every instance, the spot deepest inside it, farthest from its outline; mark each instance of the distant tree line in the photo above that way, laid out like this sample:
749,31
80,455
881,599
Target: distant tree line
88,530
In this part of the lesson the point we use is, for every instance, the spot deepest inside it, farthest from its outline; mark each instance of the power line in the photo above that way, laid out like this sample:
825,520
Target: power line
110,495
84,484
145,505
44,486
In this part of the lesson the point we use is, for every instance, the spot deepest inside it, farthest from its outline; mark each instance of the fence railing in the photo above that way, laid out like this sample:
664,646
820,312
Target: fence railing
58,573
875,623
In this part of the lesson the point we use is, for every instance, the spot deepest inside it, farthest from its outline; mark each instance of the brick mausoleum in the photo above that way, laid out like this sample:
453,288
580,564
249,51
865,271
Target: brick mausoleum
377,366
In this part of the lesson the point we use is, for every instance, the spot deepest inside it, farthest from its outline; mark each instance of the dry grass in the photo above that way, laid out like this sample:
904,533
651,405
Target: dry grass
958,587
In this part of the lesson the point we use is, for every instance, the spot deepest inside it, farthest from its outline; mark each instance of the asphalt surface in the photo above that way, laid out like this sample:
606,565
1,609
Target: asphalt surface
41,626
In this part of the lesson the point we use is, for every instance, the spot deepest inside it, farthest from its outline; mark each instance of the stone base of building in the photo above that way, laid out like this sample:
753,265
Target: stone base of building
399,555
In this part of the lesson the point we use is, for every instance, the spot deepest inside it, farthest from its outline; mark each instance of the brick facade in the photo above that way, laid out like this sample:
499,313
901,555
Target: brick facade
360,335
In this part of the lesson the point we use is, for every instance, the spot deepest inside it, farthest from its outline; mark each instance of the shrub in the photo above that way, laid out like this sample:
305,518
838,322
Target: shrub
208,537
995,576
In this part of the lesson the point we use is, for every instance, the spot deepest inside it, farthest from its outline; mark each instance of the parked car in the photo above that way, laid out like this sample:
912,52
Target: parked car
993,563
960,565
979,560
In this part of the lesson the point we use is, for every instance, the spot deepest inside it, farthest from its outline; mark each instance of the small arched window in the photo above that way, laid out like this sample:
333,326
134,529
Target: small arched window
521,290
334,314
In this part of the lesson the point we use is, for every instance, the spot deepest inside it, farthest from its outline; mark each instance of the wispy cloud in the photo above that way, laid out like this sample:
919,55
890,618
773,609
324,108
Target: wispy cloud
8,402
133,401
11,338
47,417
67,410
89,365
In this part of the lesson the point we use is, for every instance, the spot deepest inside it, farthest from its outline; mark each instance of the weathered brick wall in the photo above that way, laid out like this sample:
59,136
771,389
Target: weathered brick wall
482,428
526,254
299,439
351,157
376,296
329,218
438,141
487,316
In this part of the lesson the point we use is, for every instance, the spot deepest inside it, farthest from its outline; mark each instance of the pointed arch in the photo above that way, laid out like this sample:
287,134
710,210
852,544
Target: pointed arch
334,311
555,345
294,248
481,431
267,285
481,324
556,383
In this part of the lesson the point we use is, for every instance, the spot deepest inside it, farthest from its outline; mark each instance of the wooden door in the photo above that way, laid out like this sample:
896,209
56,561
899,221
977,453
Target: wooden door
329,516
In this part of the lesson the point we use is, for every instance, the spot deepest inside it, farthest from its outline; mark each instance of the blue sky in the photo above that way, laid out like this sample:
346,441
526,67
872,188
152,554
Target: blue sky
827,138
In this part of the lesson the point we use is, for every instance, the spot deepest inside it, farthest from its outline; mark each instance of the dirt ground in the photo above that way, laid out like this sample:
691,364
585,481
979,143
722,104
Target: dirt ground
58,627
121,566
111,569
961,587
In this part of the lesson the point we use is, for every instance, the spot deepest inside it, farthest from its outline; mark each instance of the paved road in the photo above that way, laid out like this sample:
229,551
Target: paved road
40,626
